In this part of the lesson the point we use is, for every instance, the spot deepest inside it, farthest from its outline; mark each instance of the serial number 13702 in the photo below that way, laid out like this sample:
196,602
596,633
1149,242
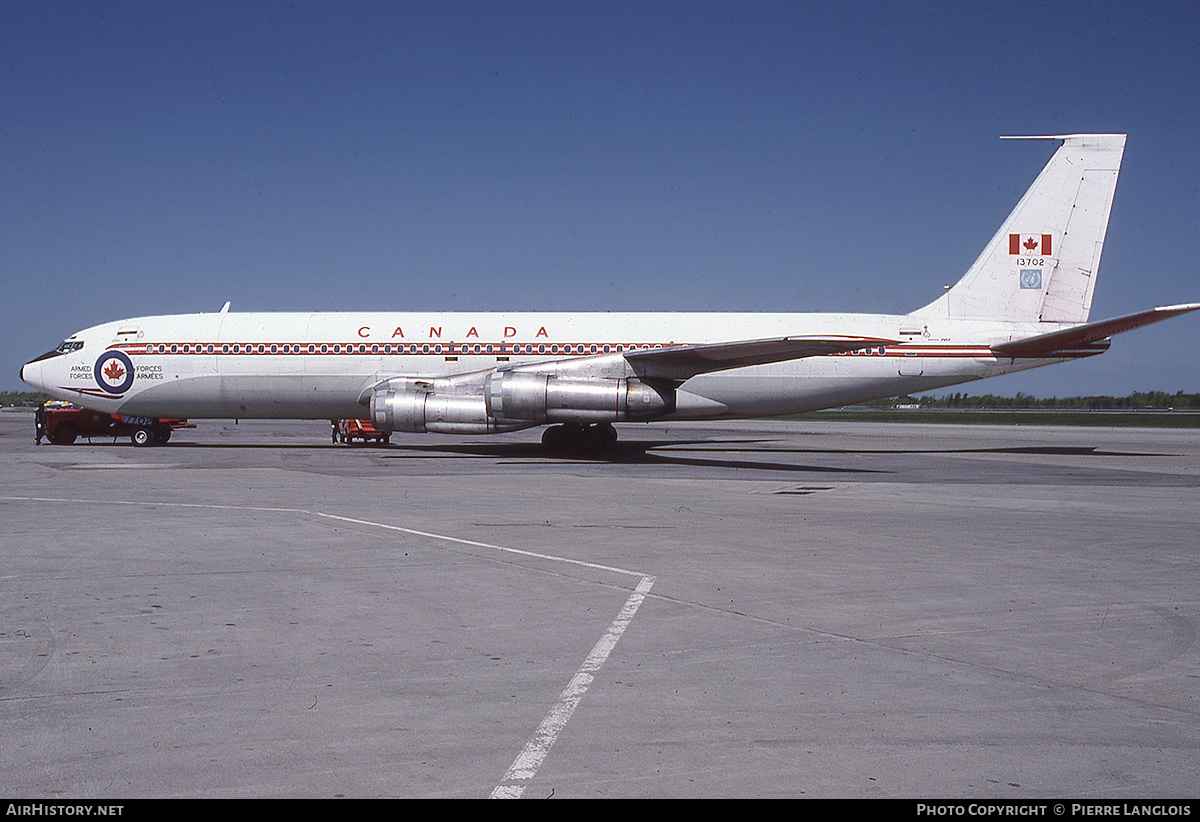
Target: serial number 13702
1031,261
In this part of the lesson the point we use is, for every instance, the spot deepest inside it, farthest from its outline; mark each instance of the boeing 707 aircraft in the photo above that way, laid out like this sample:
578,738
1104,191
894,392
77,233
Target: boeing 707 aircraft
1023,303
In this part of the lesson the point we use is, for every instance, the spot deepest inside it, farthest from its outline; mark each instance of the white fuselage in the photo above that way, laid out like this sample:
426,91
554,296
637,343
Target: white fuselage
323,365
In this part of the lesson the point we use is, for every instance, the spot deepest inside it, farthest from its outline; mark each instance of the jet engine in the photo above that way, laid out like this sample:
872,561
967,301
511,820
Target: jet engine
419,411
540,398
512,400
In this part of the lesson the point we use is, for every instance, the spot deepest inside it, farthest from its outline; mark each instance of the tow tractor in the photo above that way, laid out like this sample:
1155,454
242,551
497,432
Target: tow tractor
347,431
62,423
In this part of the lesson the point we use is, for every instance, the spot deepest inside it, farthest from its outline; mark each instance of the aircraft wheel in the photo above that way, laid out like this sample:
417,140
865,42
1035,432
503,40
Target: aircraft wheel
594,439
564,437
569,437
141,436
553,438
608,432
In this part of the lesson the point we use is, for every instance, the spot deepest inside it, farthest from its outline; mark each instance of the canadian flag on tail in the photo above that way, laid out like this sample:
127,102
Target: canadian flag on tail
1029,245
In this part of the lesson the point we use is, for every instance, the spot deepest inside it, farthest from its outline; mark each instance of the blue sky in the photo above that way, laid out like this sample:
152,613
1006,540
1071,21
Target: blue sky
752,156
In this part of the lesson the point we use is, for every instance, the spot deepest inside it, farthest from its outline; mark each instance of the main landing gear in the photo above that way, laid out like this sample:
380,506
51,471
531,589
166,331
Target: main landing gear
576,437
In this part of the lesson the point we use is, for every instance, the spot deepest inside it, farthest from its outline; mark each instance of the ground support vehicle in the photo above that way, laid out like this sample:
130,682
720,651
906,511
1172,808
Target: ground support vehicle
62,423
347,431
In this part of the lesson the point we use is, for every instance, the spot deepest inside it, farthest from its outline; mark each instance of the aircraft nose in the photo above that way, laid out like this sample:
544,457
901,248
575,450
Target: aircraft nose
31,374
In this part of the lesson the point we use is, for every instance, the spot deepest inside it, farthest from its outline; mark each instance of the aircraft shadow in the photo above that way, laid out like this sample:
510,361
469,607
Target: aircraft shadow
635,452
625,452
1058,450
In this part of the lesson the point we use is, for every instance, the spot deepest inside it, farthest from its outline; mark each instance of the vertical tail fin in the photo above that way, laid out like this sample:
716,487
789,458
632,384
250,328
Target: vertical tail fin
1041,265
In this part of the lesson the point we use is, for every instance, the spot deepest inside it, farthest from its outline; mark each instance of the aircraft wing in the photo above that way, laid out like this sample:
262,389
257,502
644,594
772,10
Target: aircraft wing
671,364
1045,345
682,362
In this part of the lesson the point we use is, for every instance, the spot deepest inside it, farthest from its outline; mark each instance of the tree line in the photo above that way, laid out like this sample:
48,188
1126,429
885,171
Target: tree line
1138,400
21,399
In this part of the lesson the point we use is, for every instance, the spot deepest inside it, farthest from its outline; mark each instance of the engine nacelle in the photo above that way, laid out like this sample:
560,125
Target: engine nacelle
513,400
539,398
420,411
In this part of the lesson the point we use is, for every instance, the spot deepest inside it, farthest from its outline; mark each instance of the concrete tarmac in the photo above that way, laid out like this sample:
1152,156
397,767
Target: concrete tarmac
751,609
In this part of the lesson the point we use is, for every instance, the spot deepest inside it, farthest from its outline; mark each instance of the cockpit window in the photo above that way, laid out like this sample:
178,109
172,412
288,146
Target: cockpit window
69,345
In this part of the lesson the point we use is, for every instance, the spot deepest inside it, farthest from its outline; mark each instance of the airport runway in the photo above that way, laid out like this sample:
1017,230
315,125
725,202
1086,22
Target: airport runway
758,609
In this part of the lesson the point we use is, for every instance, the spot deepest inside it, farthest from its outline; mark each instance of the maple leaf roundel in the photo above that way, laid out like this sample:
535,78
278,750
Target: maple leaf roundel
114,372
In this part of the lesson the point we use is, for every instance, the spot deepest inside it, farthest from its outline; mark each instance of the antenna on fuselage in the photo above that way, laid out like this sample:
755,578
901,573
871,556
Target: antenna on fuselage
225,308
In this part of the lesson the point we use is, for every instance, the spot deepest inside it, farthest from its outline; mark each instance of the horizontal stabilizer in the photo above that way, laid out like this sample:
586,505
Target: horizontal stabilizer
688,360
1045,345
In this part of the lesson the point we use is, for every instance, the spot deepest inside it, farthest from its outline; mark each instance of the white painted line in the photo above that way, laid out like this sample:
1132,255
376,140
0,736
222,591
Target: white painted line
581,563
201,505
526,765
139,466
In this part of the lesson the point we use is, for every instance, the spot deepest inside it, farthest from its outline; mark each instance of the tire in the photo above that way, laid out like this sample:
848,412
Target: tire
64,434
601,437
593,440
142,436
554,439
576,438
610,435
573,438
